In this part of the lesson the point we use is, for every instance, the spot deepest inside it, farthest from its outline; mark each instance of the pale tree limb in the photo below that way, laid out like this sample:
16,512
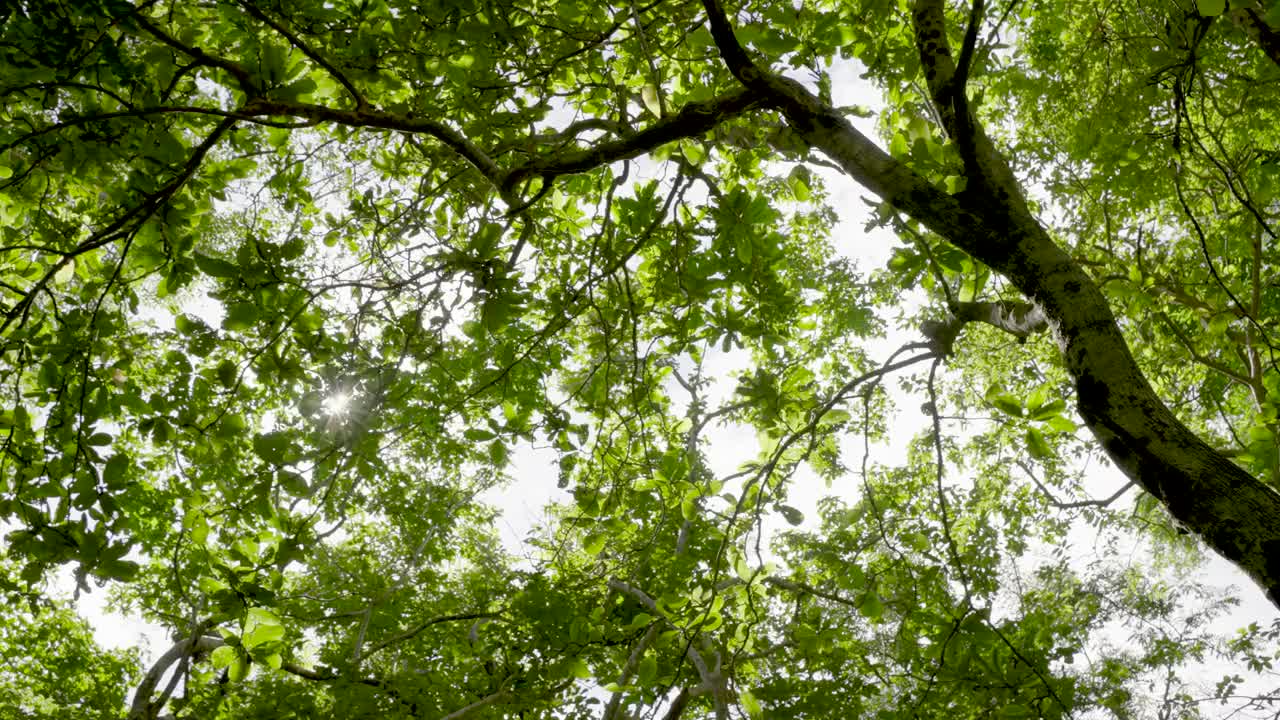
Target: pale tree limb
678,705
480,704
713,679
143,708
629,669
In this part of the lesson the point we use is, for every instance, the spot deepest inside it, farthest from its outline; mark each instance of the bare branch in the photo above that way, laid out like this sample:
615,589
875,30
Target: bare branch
1075,504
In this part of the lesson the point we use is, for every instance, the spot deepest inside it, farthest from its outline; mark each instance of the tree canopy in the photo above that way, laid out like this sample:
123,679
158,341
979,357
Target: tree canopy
288,289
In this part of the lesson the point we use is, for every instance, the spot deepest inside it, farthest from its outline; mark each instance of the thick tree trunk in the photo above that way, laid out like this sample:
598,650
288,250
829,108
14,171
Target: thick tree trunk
1235,513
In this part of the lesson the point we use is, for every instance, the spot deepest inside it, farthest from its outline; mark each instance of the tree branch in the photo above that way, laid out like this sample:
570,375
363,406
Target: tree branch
1077,503
629,669
142,708
307,50
709,679
693,120
985,169
678,705
1018,319
407,634
248,85
1251,20
480,704
131,218
1234,512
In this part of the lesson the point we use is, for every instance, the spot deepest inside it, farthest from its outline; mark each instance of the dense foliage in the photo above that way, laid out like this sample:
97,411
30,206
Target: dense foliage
288,289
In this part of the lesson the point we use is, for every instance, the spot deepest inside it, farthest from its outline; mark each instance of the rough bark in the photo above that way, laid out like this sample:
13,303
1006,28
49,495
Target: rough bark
1252,20
1233,512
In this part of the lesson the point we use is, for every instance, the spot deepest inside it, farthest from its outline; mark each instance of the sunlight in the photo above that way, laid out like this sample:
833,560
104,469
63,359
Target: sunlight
337,404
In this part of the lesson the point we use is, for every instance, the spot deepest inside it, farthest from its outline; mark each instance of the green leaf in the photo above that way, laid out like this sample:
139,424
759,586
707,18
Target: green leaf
293,483
478,434
297,89
215,267
578,668
750,704
240,316
1003,401
274,447
792,515
649,96
1211,8
261,626
238,670
594,544
693,151
648,671
125,570
228,373
115,470
222,656
311,403
870,606
1049,410
1037,446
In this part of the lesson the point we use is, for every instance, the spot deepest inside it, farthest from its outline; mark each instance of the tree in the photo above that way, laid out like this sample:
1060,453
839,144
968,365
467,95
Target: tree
288,286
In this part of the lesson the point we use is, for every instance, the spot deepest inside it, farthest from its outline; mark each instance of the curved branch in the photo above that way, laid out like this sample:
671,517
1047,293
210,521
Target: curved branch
1055,502
307,50
142,707
407,634
131,218
693,120
629,669
1234,512
371,118
248,85
480,704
